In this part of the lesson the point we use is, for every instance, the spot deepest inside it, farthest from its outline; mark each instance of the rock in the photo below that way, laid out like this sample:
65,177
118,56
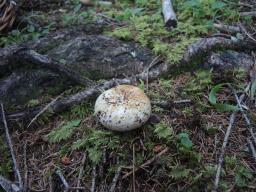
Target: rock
123,108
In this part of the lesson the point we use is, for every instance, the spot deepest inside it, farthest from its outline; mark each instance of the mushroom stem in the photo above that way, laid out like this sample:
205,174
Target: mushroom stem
170,18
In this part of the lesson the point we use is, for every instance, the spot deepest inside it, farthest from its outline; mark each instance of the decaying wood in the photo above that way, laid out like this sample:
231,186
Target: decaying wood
170,18
200,48
227,28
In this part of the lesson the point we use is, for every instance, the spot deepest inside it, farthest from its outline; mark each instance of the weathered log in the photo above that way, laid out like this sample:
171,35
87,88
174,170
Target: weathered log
200,48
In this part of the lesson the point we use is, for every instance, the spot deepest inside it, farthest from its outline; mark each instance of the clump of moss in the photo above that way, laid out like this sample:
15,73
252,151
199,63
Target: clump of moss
145,24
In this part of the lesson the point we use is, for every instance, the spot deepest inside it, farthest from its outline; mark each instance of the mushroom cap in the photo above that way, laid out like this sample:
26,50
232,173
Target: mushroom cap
123,108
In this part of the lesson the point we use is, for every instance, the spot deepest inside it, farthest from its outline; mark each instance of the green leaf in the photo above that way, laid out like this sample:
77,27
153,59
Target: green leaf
77,8
220,106
185,141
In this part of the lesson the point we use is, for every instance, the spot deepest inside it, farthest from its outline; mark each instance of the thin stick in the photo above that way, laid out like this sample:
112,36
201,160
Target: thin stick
25,167
223,148
247,120
250,13
94,175
170,18
44,109
148,162
9,142
81,171
133,168
63,180
224,145
252,148
8,186
115,179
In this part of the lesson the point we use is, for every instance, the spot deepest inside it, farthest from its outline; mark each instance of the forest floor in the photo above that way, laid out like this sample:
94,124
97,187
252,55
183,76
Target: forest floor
179,148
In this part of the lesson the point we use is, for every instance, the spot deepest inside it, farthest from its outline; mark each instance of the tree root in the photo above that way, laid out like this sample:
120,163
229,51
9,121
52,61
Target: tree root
201,48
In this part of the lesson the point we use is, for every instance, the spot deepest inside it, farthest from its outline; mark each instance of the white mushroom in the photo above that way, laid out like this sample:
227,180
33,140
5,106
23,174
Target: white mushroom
123,108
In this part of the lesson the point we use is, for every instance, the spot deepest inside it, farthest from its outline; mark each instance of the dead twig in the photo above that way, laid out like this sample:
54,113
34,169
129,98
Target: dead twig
170,18
115,179
148,162
63,180
249,13
223,148
247,120
43,110
252,148
10,145
8,186
222,153
81,171
25,187
94,175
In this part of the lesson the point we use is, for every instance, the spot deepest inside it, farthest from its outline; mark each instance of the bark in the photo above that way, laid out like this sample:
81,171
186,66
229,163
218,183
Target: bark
200,48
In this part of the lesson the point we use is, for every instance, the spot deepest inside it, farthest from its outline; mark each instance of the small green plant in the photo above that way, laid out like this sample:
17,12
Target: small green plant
163,131
63,132
220,106
76,17
243,176
25,34
94,142
198,83
179,172
184,141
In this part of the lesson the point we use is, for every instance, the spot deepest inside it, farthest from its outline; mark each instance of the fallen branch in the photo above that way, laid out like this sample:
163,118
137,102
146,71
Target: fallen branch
170,18
10,145
148,162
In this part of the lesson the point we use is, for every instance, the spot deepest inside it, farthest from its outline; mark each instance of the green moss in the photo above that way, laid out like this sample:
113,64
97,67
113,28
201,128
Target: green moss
145,24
